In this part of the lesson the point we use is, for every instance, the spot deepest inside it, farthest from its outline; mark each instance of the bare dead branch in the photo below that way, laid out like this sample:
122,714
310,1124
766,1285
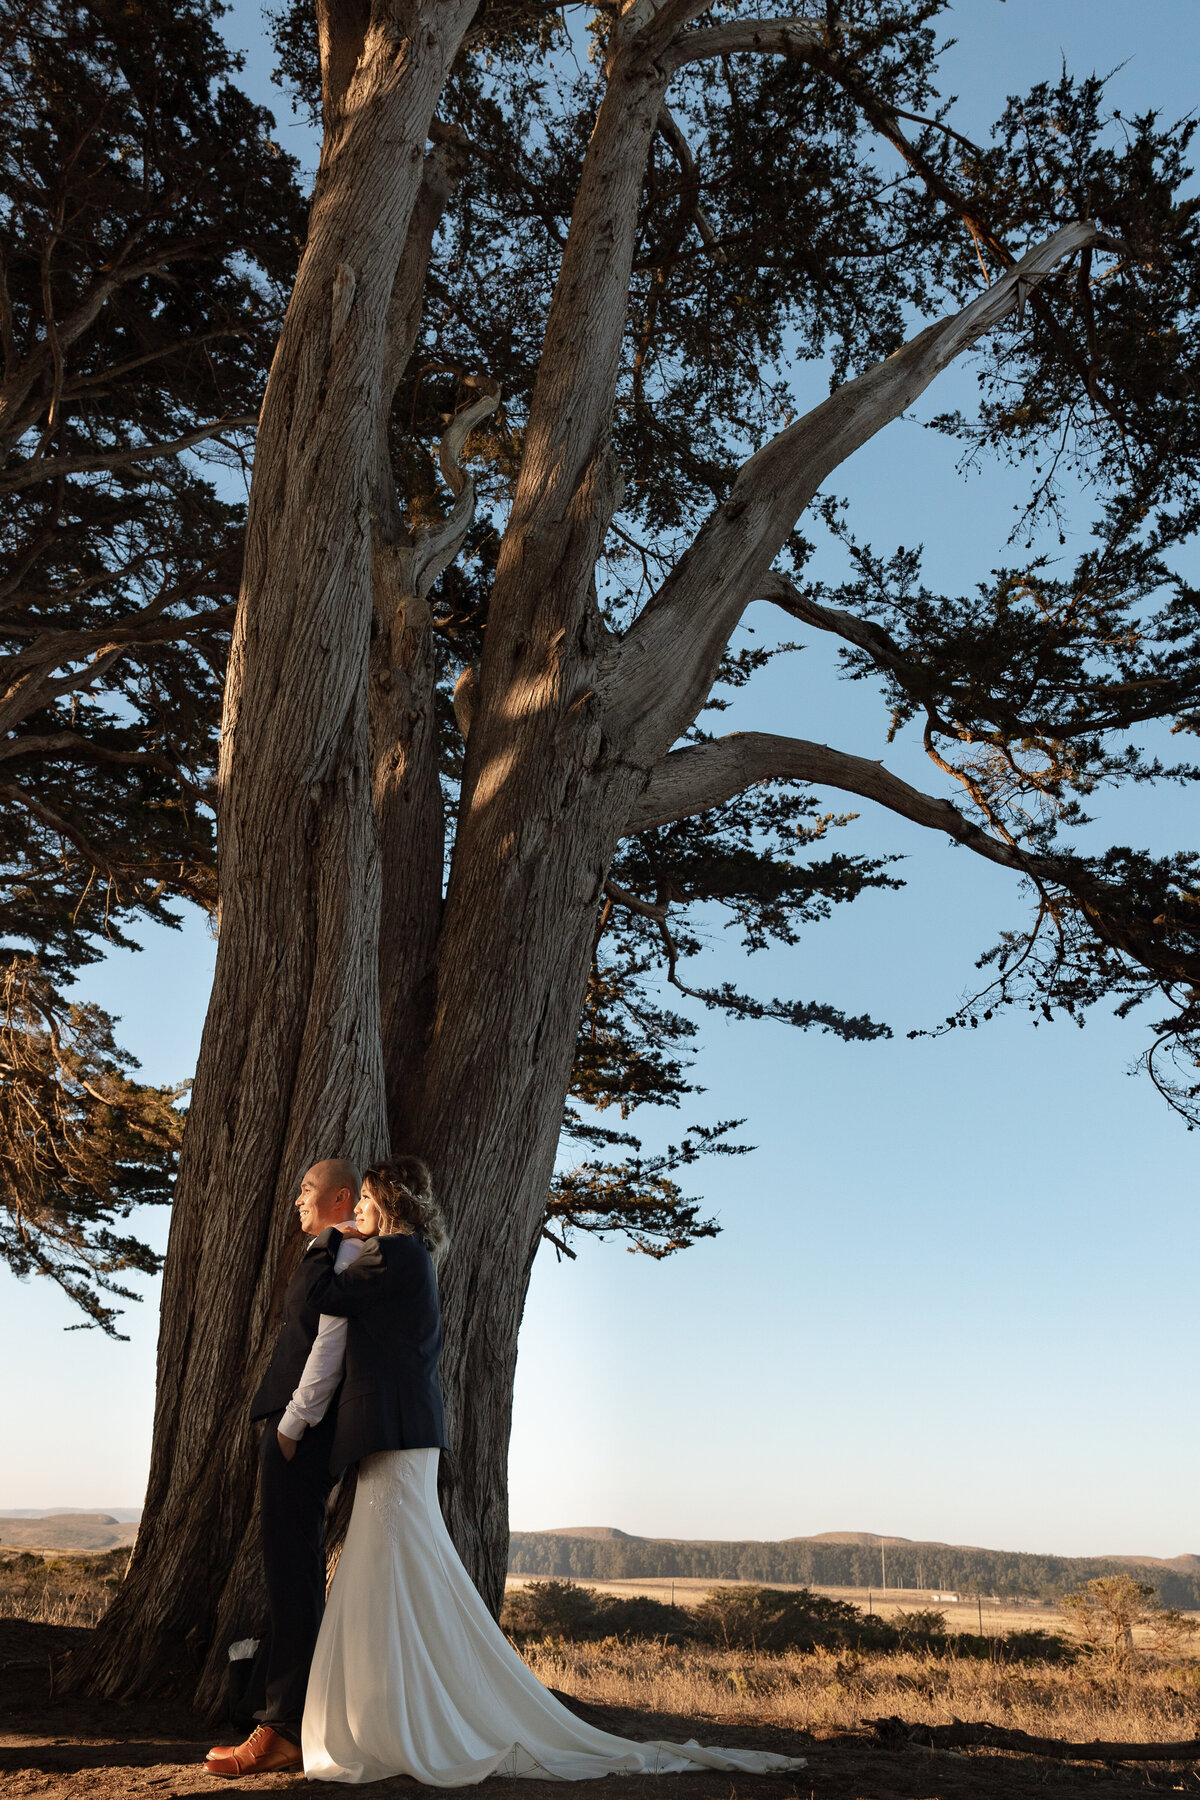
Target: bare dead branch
669,125
1001,1737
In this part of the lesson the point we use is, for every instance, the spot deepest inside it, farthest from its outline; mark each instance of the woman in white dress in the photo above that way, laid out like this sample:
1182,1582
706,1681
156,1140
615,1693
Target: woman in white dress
412,1675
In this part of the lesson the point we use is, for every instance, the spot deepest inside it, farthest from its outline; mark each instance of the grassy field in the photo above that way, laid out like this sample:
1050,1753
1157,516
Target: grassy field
824,1692
1148,1696
59,1588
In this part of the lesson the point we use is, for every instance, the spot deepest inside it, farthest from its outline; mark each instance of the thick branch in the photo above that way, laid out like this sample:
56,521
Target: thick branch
33,472
770,37
707,775
70,744
341,32
445,166
670,656
566,449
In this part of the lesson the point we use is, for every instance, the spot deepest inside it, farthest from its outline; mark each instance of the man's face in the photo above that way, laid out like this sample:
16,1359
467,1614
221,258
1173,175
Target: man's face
322,1200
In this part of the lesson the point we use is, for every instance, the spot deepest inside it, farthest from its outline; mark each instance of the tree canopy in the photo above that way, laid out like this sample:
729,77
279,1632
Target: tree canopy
808,209
149,228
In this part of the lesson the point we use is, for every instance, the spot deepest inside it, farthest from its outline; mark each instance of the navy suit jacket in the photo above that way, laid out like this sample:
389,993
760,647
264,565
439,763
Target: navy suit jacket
390,1397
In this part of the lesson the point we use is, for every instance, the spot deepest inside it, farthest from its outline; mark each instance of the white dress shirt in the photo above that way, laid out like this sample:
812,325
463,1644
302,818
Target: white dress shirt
323,1370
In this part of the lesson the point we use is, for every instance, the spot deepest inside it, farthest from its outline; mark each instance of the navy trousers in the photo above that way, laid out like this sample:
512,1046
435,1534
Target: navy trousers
293,1497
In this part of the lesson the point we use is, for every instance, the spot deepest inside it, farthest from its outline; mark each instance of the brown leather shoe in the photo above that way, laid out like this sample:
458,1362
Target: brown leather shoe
262,1751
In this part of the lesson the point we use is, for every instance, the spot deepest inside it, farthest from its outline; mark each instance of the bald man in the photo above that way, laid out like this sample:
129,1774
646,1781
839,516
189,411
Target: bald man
294,1401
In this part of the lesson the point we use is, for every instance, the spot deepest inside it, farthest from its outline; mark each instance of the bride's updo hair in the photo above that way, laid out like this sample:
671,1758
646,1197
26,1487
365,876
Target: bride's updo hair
402,1189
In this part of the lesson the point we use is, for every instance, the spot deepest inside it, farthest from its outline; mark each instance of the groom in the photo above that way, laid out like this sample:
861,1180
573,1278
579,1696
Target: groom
294,1403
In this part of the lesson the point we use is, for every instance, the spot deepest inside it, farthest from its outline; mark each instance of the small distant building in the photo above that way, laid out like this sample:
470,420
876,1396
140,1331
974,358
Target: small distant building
943,1596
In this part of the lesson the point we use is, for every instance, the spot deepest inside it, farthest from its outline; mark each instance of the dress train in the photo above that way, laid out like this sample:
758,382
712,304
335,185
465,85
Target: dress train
412,1675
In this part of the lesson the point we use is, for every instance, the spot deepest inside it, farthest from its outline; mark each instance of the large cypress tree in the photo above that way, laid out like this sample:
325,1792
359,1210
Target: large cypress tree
531,434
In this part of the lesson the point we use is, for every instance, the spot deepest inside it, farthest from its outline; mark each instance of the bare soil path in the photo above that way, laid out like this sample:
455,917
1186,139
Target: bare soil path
66,1749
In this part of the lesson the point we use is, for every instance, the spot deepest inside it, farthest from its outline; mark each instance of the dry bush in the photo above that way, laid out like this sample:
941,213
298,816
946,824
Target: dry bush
565,1609
60,1590
827,1691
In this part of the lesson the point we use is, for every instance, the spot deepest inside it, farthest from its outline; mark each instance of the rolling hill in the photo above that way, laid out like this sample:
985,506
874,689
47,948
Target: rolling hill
837,1559
66,1531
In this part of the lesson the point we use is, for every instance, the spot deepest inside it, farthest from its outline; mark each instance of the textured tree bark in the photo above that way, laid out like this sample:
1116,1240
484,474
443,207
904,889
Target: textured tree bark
290,1066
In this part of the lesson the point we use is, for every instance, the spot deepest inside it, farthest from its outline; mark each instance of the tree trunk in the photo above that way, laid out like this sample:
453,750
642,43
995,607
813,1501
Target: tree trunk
290,1064
541,817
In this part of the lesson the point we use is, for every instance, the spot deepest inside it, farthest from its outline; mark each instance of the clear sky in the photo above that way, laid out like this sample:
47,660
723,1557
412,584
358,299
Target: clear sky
954,1296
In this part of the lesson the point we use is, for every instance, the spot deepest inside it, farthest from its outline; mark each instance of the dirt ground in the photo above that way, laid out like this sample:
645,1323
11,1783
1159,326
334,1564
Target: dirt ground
55,1748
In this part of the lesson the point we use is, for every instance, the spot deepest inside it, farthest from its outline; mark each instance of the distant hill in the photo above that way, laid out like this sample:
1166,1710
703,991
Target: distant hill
66,1531
836,1559
124,1515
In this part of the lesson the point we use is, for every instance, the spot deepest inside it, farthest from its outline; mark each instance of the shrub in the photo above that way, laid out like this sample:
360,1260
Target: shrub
637,1616
923,1627
550,1609
772,1619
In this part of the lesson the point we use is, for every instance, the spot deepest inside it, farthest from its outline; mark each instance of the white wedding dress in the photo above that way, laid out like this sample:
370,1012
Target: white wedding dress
412,1675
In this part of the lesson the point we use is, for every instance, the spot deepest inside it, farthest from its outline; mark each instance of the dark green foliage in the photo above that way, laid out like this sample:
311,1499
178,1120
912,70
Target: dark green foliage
81,1144
1029,1646
549,1609
639,1616
149,228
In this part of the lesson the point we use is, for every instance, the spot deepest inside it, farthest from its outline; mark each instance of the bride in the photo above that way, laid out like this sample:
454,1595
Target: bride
412,1675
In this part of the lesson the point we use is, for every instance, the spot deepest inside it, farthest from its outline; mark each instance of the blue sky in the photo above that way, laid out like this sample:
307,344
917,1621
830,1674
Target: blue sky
954,1294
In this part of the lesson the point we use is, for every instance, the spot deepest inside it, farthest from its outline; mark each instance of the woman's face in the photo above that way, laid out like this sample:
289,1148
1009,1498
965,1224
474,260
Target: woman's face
367,1215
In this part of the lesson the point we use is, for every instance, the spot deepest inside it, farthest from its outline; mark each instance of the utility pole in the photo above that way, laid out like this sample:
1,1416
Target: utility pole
883,1561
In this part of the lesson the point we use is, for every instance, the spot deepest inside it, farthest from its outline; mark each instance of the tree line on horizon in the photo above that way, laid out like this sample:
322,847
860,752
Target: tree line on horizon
1006,1574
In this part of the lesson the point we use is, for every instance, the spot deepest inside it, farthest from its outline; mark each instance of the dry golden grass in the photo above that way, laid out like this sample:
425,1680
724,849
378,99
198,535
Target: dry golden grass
59,1590
826,1691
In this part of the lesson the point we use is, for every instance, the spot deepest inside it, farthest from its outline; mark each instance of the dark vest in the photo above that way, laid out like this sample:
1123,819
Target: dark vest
390,1398
296,1333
